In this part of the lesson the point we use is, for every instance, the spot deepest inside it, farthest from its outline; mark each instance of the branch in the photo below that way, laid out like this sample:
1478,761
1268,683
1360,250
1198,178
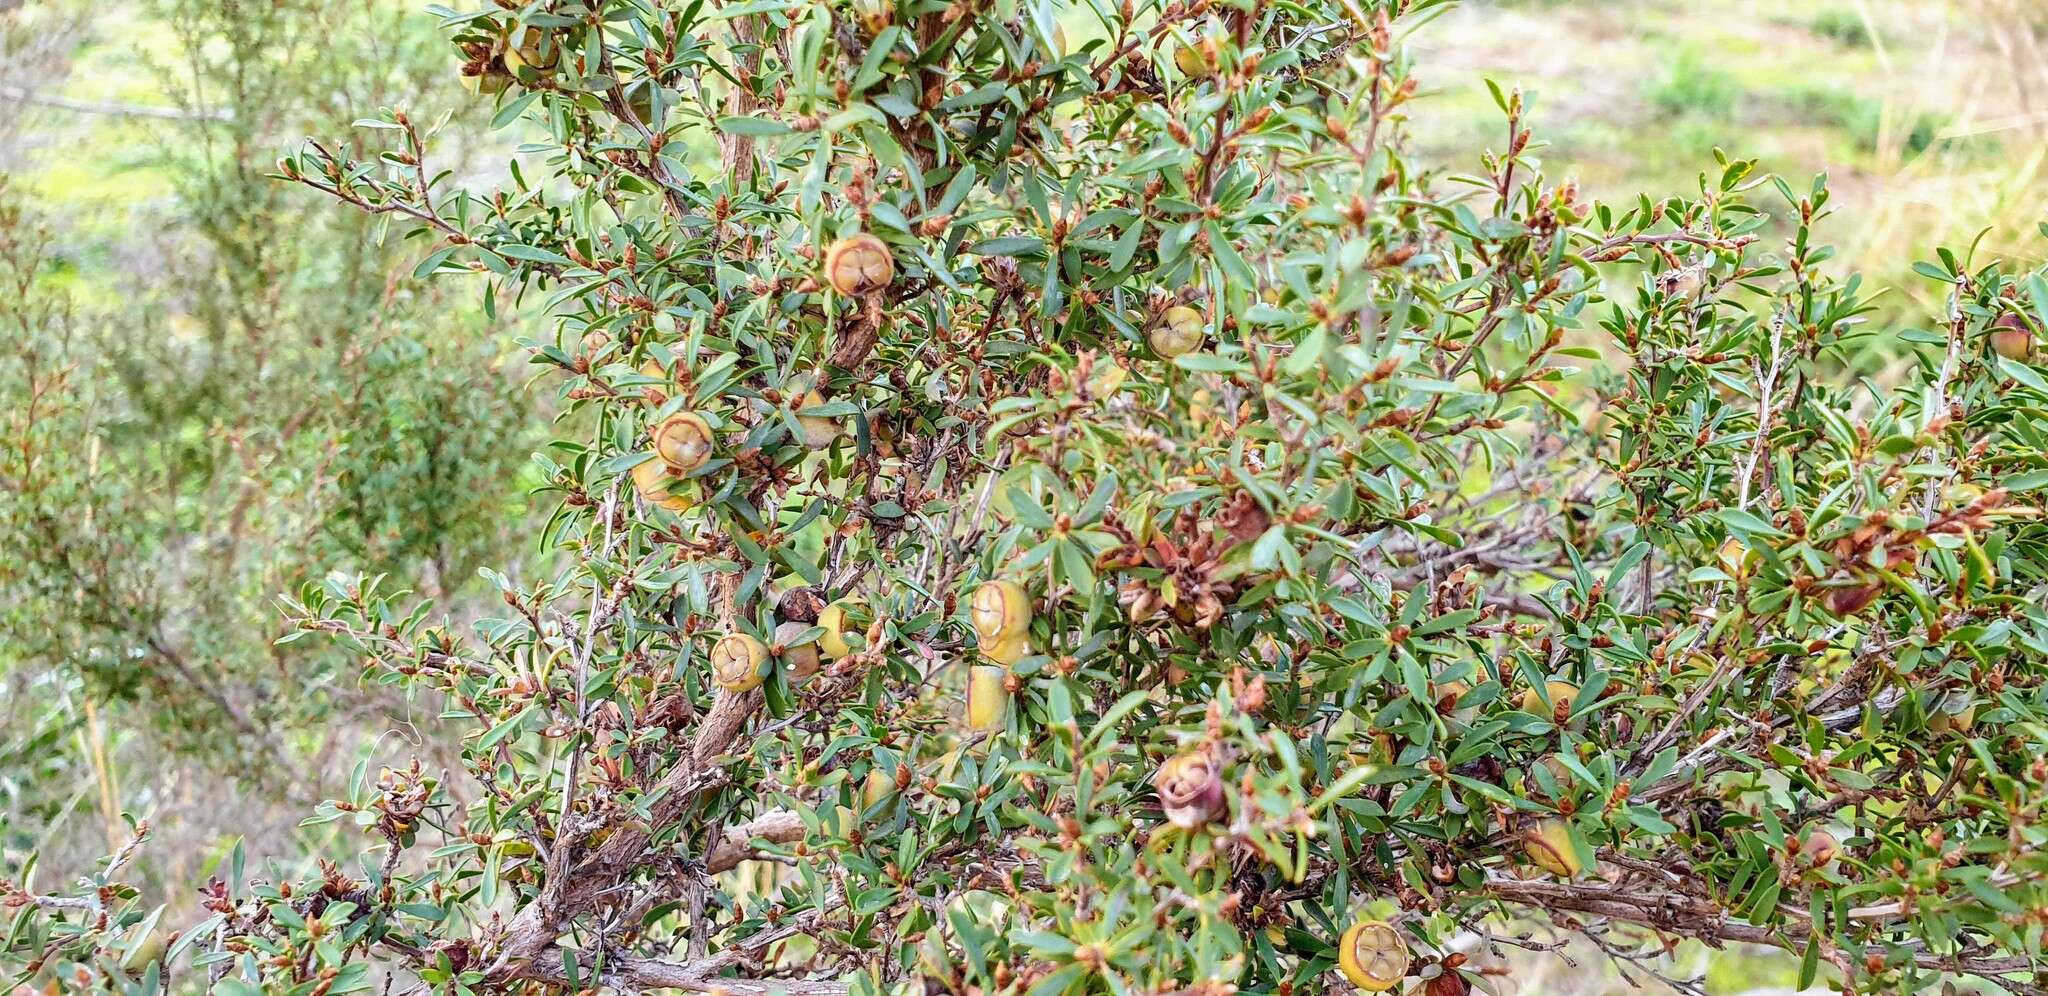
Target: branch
1706,921
27,96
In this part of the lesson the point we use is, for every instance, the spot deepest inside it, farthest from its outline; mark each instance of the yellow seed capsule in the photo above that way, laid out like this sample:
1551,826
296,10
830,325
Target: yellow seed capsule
1736,559
658,486
1960,721
535,51
1446,696
1819,848
2011,338
736,661
490,81
1179,332
640,103
800,658
1373,956
838,618
987,699
1006,652
684,441
1562,695
859,264
1001,614
1549,847
818,431
877,786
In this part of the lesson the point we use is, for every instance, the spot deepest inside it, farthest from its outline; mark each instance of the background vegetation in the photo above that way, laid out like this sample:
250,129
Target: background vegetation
200,402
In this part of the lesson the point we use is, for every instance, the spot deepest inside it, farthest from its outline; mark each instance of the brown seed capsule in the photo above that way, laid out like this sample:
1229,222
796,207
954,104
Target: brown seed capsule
1445,696
1179,332
800,658
859,264
1549,846
1191,788
2011,338
1851,600
684,441
736,662
1373,956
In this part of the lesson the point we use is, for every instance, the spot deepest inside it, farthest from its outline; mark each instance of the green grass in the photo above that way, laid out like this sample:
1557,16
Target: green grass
1919,126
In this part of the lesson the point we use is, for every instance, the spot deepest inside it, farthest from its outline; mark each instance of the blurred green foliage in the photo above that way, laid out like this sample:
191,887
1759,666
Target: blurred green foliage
212,396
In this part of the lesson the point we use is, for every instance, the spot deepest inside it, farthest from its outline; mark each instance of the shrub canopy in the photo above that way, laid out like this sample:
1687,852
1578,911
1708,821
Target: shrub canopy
1051,500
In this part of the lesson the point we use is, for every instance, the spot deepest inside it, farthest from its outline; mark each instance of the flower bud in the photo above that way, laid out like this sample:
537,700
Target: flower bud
987,697
736,662
1373,956
1190,788
1180,331
1549,847
800,658
859,264
1001,614
684,441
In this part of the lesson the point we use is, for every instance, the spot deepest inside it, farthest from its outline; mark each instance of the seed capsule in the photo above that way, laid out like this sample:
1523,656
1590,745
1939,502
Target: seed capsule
1191,789
1736,559
1180,331
1819,848
736,661
1001,614
1960,721
529,54
1549,847
1562,695
838,618
491,80
987,698
2011,338
1851,600
1447,695
658,486
818,431
1373,956
877,786
859,264
684,441
800,658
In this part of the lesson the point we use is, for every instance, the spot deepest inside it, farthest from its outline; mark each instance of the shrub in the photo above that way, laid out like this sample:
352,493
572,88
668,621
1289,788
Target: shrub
1054,503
